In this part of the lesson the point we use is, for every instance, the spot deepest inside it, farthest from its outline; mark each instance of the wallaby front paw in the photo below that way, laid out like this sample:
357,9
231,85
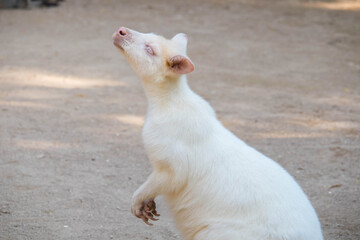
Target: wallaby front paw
145,210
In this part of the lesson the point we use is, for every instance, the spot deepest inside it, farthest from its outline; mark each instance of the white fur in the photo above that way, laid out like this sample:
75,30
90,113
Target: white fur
217,187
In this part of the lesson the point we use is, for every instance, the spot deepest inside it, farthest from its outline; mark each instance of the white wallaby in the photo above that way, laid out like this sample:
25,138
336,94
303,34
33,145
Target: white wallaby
217,187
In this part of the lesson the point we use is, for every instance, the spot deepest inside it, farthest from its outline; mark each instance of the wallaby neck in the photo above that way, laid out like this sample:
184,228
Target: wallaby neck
166,93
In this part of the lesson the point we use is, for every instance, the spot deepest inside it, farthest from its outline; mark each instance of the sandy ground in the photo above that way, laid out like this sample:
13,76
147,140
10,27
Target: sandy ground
282,75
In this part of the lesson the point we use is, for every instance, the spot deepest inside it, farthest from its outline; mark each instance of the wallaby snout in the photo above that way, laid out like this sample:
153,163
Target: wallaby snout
121,36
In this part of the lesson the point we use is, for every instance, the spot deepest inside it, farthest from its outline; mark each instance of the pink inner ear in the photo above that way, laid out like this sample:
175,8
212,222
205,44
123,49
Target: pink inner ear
181,65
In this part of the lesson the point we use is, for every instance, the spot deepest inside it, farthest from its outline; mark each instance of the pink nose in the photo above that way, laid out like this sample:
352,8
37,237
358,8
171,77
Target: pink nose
123,31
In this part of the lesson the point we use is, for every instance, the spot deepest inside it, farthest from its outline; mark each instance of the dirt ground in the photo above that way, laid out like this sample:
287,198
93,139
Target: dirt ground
282,75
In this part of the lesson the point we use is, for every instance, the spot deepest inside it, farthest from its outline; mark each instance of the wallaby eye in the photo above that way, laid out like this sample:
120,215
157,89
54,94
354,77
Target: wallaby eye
149,49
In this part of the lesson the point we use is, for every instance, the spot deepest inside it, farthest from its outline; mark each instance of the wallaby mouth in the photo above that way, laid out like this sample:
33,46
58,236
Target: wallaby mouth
117,41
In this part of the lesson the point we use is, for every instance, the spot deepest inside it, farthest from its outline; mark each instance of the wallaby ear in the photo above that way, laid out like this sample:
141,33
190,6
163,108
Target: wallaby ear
181,39
180,64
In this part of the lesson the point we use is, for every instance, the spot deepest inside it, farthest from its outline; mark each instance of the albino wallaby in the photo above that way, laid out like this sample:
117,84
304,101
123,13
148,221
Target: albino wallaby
217,187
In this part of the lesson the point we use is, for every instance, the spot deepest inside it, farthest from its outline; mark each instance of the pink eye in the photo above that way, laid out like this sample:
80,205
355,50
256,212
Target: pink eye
149,49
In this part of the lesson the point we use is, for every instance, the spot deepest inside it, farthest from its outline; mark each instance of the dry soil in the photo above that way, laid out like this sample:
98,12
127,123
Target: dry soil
282,75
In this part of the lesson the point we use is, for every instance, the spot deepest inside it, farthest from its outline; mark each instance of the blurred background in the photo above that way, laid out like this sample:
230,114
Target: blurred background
283,75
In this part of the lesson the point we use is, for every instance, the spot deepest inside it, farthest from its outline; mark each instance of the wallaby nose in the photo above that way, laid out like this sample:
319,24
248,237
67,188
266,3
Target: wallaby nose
123,31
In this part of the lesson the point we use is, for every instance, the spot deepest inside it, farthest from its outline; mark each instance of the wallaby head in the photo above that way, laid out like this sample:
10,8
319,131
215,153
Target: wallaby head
153,57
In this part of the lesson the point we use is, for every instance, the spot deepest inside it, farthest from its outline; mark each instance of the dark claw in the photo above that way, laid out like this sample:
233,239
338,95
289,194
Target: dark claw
155,213
149,216
146,220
